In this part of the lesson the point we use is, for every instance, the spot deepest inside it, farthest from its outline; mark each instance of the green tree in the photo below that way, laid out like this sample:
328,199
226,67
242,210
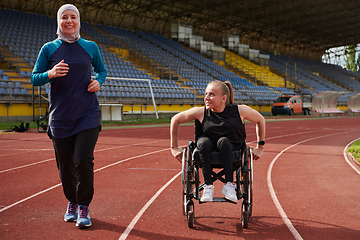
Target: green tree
351,61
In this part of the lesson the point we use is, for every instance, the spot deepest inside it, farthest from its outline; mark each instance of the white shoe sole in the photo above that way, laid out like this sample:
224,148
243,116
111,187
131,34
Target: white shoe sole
83,225
232,200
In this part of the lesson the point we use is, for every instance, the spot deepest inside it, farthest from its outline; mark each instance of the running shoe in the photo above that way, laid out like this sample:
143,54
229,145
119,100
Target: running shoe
229,192
83,217
208,194
71,212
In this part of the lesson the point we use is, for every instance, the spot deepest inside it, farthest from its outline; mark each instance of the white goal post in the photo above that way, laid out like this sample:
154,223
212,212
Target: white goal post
148,81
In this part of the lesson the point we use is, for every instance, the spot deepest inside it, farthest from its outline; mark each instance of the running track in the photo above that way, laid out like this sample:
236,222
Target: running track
304,187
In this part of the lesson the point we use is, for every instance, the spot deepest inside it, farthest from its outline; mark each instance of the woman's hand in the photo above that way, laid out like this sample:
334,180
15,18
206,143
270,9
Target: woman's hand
94,86
177,153
257,152
59,70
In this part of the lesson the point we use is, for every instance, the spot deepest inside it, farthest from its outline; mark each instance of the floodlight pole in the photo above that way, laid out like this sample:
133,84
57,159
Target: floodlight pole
295,79
285,73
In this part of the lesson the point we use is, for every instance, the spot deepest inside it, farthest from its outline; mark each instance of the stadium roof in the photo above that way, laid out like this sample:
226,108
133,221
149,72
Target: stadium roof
303,28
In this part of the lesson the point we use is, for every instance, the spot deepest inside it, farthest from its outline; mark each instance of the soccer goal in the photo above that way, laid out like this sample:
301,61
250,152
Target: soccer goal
124,82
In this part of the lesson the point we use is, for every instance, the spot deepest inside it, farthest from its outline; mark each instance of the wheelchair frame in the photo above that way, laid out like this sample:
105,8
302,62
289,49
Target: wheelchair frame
191,187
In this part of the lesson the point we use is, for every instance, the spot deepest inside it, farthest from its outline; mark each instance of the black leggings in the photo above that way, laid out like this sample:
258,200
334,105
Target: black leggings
74,158
225,147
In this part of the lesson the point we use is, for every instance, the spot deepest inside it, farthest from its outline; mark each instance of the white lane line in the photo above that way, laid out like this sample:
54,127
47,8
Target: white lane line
106,149
347,159
30,150
32,196
24,139
127,159
27,165
147,205
15,153
127,231
99,169
99,150
276,201
110,148
155,169
136,144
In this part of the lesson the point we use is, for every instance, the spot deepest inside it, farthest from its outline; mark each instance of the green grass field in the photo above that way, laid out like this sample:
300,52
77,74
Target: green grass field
355,150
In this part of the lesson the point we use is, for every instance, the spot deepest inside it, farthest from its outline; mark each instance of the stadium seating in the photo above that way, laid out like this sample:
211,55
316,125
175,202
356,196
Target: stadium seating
314,76
258,73
187,72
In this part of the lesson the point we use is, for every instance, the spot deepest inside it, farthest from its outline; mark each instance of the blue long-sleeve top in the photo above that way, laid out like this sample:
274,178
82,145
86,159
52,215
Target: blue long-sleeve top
72,107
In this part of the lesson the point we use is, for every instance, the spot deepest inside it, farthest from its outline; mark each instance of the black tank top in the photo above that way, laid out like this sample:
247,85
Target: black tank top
225,124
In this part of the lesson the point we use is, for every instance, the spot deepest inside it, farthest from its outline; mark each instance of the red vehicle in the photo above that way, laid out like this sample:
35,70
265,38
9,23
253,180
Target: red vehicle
290,105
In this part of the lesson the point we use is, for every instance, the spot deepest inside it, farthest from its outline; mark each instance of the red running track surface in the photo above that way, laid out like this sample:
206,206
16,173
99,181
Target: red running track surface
303,187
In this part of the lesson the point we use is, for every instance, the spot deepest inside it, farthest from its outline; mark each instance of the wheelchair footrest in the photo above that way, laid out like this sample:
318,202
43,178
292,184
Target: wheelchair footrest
219,199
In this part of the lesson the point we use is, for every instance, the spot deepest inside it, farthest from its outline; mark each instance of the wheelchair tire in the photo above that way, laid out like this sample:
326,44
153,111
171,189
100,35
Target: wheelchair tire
183,186
250,175
245,188
188,189
191,219
249,186
251,200
245,217
188,180
184,204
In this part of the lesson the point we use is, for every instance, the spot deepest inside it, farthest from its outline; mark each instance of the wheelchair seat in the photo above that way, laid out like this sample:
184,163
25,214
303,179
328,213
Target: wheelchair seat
215,156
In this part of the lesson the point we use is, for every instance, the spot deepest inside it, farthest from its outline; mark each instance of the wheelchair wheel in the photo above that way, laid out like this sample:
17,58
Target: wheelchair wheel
183,183
245,216
188,180
189,203
187,186
245,187
246,210
250,183
191,216
251,200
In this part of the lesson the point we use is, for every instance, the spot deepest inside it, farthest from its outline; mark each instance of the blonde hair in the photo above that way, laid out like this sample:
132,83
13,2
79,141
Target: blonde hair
226,89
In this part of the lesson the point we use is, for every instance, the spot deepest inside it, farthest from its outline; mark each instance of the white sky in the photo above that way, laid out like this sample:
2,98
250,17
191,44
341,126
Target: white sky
336,55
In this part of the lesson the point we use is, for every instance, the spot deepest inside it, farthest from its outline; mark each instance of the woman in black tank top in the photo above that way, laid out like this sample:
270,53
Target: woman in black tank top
224,131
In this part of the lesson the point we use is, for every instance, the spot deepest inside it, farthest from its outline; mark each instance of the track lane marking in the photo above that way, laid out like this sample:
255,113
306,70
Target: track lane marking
155,169
105,149
30,197
128,229
27,165
24,139
147,205
99,169
48,189
276,201
347,159
99,150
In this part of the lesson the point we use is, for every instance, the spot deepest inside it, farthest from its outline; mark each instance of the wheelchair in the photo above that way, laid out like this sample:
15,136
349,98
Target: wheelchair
191,187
